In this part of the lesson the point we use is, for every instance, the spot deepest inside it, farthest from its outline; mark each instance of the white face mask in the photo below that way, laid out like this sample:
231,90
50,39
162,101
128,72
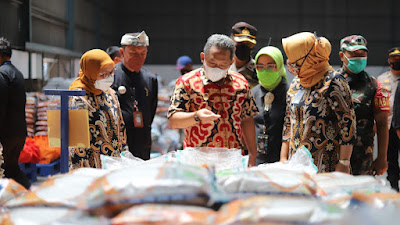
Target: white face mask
214,74
104,84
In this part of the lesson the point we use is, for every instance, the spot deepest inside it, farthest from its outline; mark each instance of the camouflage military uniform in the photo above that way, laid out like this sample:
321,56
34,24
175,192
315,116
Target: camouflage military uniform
369,96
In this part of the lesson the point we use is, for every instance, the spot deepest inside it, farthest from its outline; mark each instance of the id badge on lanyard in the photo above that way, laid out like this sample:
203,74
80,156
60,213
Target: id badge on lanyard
137,116
262,143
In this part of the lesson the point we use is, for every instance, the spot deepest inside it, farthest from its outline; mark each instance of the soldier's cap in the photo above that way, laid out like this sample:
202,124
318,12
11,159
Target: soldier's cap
394,51
135,39
243,31
353,43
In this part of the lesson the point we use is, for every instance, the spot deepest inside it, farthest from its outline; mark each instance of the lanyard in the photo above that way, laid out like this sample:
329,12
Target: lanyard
266,120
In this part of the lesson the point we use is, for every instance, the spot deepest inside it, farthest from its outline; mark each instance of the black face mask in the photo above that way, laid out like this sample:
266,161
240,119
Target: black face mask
395,65
243,52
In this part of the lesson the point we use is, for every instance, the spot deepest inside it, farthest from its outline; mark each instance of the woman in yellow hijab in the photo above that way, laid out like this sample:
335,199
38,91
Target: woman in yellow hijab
106,125
319,113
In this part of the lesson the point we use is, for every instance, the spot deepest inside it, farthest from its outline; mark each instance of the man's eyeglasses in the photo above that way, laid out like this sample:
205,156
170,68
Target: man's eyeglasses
266,67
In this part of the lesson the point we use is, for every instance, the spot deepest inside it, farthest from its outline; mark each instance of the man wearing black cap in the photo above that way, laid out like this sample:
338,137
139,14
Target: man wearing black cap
12,114
137,90
244,37
390,80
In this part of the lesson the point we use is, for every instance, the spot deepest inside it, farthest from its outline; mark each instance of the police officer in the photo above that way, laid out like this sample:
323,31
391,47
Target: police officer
12,114
390,80
137,90
244,37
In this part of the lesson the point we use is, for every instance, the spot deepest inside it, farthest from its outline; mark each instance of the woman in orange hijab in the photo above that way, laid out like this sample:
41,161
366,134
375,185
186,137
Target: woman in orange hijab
106,125
319,113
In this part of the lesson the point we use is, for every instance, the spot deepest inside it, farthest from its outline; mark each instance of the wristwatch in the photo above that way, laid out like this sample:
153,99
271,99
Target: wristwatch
344,162
196,118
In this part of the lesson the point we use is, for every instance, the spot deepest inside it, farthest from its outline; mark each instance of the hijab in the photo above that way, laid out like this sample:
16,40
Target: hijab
316,63
91,64
277,56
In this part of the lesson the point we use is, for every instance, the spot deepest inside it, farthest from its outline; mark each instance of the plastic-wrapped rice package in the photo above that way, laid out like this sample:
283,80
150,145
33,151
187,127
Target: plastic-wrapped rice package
10,189
148,183
158,214
221,158
336,187
60,190
168,157
266,180
376,200
39,215
301,160
126,160
278,209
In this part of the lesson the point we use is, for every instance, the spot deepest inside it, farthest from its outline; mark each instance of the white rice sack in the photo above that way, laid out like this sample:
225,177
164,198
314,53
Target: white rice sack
266,180
157,214
60,190
149,183
10,189
278,209
38,215
336,186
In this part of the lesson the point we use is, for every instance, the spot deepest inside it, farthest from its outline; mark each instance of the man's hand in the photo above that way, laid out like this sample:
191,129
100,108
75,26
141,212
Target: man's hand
283,159
207,116
252,160
342,168
378,167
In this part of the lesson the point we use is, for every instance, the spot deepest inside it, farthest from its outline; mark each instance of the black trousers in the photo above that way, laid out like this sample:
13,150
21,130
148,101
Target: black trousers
393,159
267,158
139,142
12,147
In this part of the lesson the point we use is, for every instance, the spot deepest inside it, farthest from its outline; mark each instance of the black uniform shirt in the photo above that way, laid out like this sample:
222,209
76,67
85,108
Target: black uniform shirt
277,114
143,87
396,109
12,102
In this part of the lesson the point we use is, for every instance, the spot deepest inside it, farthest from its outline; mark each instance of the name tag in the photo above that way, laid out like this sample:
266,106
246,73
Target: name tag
262,143
138,119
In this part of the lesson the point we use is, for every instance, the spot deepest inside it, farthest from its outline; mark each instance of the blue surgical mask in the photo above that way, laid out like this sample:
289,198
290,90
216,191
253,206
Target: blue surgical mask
356,64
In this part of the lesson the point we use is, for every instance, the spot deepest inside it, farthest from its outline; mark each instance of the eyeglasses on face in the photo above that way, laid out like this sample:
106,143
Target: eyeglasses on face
107,74
266,67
